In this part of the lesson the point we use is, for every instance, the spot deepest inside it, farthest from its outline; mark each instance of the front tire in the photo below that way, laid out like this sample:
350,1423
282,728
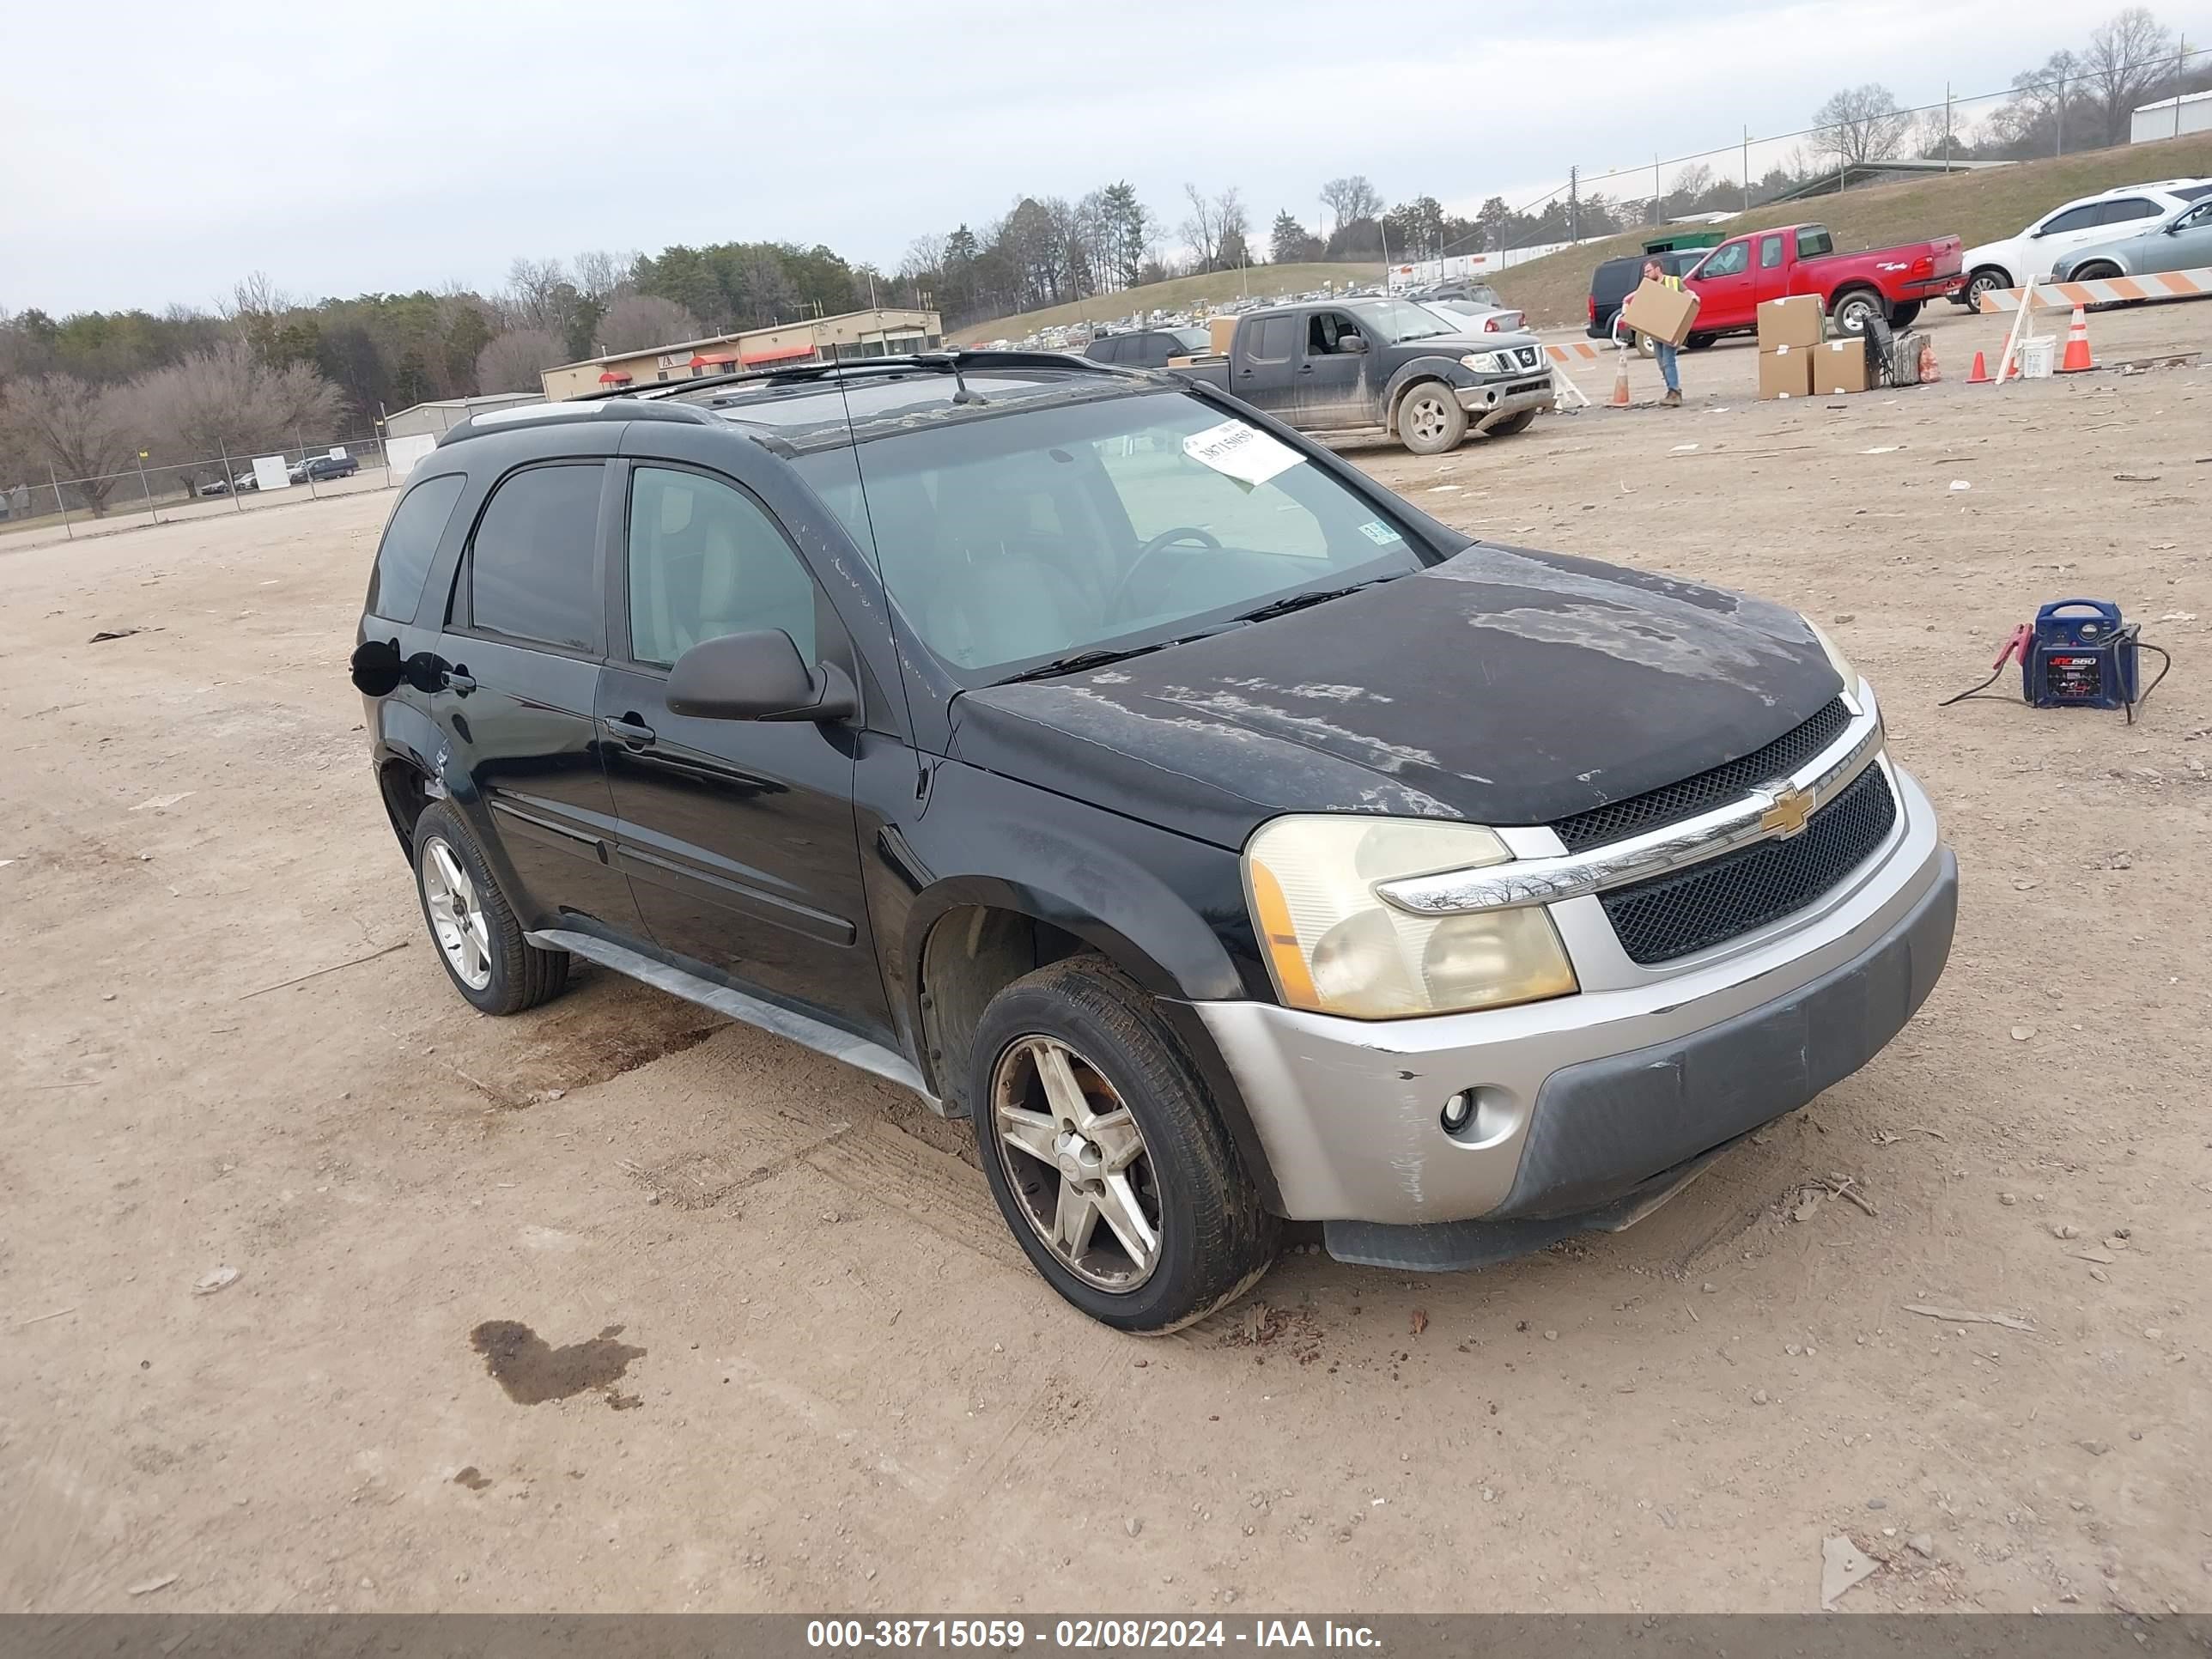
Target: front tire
1430,420
1105,1155
472,925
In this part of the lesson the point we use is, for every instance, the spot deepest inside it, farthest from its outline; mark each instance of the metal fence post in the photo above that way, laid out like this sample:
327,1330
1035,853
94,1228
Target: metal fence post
60,505
152,512
229,478
2061,148
2180,70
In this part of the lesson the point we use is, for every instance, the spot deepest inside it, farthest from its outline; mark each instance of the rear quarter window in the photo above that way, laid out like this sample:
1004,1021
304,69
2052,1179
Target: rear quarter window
411,541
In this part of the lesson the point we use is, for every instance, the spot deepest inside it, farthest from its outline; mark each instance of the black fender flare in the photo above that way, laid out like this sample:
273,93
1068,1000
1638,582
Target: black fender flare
1434,366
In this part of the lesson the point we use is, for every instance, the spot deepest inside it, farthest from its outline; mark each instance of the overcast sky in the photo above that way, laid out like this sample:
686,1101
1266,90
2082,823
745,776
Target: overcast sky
153,153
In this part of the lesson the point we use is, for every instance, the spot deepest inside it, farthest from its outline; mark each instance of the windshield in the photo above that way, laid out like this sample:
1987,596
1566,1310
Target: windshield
1012,542
1193,339
1394,320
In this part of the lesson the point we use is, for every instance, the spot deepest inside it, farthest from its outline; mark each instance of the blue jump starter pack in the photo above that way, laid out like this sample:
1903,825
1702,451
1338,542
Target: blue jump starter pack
2079,655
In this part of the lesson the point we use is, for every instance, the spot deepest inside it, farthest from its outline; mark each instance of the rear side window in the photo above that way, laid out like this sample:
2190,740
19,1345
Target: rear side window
1813,242
1276,335
411,541
533,565
1614,278
2129,209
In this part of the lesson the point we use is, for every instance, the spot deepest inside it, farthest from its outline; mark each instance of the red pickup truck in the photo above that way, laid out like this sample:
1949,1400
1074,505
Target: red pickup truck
1733,279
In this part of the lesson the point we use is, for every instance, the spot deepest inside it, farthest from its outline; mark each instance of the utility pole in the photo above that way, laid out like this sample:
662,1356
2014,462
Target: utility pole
1946,126
1574,204
1658,201
1746,169
2180,67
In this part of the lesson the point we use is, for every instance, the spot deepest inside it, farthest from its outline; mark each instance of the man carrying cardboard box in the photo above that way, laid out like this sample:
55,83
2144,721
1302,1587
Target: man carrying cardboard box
1666,350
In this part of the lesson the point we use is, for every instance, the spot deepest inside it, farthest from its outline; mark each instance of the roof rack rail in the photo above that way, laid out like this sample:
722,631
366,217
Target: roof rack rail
945,362
564,413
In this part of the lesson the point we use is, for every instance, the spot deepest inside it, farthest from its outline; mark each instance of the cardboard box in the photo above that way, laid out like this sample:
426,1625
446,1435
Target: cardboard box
1797,321
1664,314
1220,331
1838,366
1786,371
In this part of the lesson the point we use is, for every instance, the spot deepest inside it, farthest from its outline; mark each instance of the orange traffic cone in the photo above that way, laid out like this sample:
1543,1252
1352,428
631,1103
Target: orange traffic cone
2077,359
1981,374
1620,382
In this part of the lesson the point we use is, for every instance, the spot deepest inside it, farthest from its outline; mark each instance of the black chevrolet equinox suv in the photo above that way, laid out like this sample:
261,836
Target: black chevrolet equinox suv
1115,768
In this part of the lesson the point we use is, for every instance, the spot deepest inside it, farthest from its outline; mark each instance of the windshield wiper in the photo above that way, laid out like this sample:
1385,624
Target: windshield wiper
1291,602
1077,662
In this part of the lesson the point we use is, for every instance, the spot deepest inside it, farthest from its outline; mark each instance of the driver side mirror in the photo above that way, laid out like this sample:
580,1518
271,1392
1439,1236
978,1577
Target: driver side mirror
1351,343
757,676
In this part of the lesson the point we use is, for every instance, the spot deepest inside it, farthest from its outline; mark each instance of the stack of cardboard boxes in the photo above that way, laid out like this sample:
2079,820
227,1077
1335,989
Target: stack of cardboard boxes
1797,359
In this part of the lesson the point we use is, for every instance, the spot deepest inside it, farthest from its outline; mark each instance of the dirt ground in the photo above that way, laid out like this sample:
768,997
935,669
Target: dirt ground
782,1353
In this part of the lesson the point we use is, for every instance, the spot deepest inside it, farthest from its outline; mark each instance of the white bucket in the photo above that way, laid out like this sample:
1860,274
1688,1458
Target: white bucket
2037,358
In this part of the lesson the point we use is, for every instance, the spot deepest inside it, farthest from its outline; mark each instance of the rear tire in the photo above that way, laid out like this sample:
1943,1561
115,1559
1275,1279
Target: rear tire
472,925
1512,424
1211,1238
1699,342
1430,420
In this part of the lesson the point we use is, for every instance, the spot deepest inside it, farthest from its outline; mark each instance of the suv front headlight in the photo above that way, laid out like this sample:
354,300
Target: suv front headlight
1334,947
1482,362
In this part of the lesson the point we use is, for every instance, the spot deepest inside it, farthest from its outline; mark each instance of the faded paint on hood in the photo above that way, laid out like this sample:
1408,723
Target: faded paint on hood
1500,687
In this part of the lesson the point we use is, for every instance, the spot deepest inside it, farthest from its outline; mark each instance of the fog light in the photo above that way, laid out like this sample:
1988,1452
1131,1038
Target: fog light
1458,1112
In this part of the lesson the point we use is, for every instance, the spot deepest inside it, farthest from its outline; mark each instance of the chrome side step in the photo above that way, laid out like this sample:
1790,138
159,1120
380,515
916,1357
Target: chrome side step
824,1038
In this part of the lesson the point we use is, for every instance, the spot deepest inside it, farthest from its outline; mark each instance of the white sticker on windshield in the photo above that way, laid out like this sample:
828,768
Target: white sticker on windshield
1380,533
1243,452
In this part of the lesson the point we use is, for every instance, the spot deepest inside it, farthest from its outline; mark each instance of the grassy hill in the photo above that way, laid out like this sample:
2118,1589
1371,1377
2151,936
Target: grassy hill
1178,295
1978,207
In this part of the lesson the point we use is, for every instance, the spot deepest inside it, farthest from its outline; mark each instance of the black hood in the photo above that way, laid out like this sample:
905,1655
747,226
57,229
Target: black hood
1501,687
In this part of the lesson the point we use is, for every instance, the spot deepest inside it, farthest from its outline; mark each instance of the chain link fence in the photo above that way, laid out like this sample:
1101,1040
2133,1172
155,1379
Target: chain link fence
53,509
2067,115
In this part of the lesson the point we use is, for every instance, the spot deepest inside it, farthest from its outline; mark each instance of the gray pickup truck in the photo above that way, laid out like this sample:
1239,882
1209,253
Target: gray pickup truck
1343,365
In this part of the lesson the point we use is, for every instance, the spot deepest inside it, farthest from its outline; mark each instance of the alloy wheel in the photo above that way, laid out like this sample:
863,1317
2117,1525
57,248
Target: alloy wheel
1077,1163
464,932
1426,417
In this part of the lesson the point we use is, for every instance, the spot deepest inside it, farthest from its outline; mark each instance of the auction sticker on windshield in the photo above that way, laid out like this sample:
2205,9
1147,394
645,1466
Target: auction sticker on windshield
1241,451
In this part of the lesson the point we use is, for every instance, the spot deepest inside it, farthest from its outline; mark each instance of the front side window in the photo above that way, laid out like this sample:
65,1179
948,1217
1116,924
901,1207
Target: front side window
411,541
533,562
706,560
1110,524
1732,260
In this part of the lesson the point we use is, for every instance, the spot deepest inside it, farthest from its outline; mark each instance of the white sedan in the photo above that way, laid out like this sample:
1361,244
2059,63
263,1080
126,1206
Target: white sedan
2085,221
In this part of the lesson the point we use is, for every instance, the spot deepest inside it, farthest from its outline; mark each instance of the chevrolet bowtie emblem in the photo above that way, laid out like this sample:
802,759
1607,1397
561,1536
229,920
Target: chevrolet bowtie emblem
1792,806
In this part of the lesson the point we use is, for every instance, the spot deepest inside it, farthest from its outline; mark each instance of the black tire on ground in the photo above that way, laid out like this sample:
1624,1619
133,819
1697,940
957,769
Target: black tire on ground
1216,1238
1699,342
1430,420
522,975
1902,316
1852,307
2100,271
1512,424
1983,281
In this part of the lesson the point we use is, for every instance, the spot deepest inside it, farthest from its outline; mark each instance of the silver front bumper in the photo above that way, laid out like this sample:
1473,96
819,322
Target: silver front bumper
1349,1111
1490,403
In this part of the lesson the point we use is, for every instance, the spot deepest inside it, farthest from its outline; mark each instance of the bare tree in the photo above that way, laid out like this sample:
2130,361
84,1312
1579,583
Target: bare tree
2131,54
636,321
1350,198
604,275
1859,125
1234,227
81,430
1203,229
227,401
538,294
517,359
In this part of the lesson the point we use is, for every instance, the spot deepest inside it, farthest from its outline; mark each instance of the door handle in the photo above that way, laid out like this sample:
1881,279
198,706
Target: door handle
457,681
634,732
1243,373
1305,368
